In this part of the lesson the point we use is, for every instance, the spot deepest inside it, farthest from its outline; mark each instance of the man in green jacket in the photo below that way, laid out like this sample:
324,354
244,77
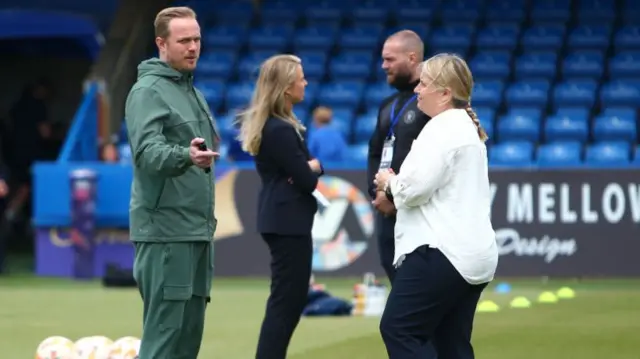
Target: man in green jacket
172,196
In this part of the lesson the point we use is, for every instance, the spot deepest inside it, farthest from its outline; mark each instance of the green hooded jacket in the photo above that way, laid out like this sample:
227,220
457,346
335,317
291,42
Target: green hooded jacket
172,200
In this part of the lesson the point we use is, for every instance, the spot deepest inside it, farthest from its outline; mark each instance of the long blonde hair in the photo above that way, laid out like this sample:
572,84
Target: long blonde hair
451,71
277,74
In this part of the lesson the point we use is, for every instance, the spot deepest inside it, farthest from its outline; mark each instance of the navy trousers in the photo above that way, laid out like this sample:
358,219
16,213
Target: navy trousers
291,258
386,243
429,302
386,251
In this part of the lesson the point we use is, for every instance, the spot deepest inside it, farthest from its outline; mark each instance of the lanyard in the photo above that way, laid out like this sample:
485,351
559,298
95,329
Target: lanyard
394,119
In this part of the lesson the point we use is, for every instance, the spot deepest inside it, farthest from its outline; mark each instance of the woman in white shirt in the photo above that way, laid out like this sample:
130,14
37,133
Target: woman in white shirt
445,246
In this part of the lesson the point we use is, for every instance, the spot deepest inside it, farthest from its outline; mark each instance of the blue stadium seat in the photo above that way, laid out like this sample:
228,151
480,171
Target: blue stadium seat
625,65
498,36
414,10
487,114
486,117
493,65
418,27
629,112
226,125
460,10
225,36
536,65
364,126
378,72
451,38
249,66
341,94
582,113
590,37
311,92
280,10
351,65
213,91
236,12
302,114
614,128
371,10
630,11
551,10
608,154
505,10
361,36
543,37
627,38
518,127
620,93
314,64
512,153
575,93
376,93
487,93
324,10
596,10
274,37
219,64
239,94
534,113
583,64
320,38
636,156
358,153
566,127
528,93
559,154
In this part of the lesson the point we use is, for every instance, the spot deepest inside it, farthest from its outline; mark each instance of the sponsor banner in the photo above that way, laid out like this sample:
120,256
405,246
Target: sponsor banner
548,223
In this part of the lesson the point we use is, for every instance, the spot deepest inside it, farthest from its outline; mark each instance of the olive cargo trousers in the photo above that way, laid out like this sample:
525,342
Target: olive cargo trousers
174,280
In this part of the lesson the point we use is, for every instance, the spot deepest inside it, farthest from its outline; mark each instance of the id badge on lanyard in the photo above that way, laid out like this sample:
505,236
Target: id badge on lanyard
388,145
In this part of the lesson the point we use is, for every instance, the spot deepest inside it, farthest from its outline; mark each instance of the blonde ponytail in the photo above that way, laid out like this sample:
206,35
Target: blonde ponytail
476,121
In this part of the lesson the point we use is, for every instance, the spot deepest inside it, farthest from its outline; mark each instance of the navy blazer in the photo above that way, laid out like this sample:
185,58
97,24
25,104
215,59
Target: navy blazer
285,208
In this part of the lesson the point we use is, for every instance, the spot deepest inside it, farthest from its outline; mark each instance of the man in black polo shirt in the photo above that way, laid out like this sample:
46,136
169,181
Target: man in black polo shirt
399,123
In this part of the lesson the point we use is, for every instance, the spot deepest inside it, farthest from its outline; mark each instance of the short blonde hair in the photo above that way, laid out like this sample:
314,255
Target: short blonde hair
277,74
452,72
164,17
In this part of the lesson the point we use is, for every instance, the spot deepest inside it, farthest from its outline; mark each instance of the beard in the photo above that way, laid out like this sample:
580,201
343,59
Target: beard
402,80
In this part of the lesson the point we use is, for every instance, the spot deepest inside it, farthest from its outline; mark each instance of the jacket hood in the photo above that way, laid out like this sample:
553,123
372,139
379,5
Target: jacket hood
157,67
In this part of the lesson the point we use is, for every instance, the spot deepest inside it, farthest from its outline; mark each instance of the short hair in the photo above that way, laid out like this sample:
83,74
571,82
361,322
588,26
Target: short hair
411,41
322,112
164,17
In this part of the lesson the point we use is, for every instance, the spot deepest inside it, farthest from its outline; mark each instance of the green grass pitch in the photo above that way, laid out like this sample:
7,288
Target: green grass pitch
603,321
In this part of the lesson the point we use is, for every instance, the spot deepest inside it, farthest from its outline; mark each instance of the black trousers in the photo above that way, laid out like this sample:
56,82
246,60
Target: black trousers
386,251
429,302
386,243
291,258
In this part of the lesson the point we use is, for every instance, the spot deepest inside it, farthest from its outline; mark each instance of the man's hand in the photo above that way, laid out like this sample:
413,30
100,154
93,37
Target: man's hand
315,166
4,189
202,159
382,204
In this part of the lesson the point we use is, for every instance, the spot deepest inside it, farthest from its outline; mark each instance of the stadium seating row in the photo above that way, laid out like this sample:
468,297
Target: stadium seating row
560,154
412,10
532,93
487,65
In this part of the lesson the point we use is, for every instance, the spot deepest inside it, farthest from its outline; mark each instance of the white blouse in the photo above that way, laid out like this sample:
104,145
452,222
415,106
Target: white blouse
443,199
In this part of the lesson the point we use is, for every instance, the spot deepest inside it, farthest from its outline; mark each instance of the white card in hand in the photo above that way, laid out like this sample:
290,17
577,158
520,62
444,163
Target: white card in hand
322,200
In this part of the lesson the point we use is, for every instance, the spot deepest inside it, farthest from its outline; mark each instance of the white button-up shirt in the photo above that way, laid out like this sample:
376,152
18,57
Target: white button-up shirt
443,199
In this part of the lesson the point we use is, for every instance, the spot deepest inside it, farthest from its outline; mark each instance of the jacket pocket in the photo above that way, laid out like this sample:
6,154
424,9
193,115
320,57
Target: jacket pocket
156,203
